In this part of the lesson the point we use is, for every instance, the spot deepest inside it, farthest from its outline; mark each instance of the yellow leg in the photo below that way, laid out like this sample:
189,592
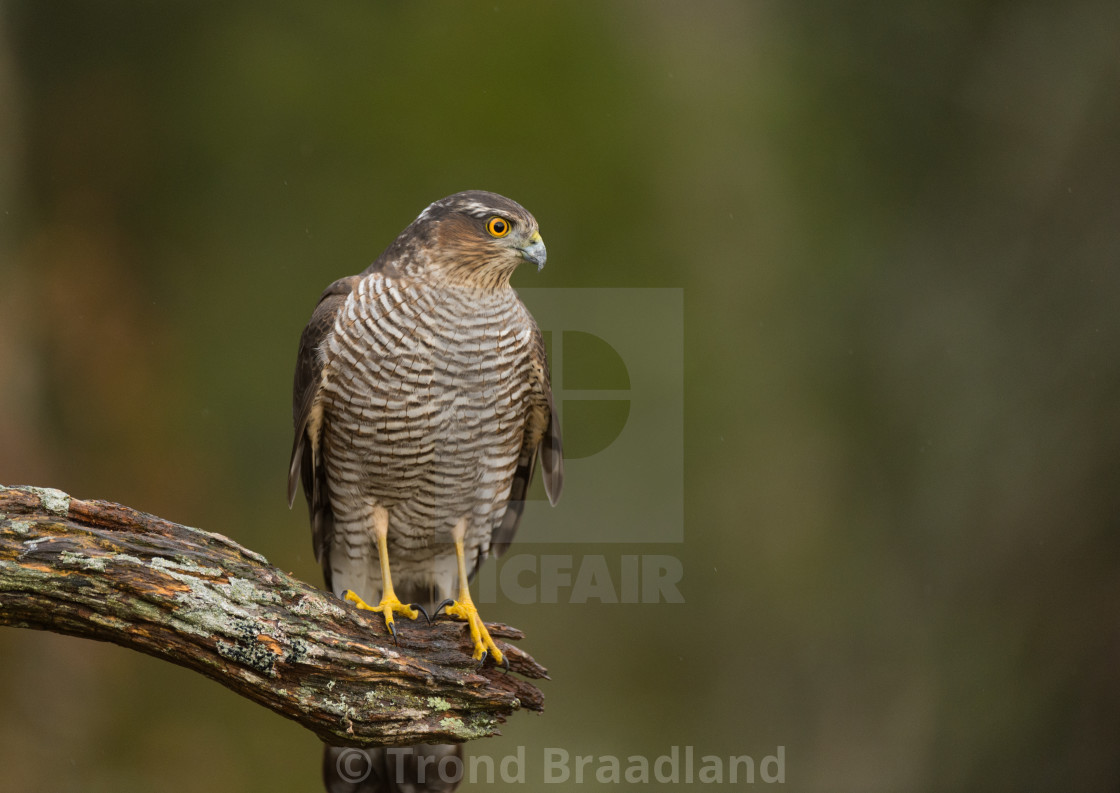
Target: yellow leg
464,609
389,601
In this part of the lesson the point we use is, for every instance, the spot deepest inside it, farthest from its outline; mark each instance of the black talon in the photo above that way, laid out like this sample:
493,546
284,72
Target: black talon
422,610
482,661
393,631
441,607
505,662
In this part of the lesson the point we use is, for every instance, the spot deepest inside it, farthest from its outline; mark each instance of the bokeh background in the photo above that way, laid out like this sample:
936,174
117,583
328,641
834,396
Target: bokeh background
897,232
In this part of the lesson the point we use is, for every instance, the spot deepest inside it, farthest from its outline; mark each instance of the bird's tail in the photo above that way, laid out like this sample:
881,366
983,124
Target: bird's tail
423,768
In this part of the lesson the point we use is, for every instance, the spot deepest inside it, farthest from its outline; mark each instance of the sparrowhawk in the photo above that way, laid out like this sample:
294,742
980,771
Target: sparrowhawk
421,404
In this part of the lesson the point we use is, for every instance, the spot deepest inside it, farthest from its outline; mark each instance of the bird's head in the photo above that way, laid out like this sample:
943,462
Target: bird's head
476,238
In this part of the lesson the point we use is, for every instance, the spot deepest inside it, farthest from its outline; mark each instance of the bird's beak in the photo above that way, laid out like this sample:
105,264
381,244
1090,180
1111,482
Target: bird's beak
535,251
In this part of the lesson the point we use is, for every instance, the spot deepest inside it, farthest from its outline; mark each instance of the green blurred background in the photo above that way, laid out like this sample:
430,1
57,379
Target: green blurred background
897,231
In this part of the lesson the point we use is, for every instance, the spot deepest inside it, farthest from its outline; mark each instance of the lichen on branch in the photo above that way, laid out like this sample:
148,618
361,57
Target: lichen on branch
104,571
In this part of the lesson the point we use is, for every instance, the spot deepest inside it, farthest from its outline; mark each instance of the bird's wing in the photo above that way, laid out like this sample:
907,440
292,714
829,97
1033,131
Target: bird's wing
541,437
307,450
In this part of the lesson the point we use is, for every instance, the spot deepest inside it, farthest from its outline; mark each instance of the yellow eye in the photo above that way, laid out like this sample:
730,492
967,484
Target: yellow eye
498,227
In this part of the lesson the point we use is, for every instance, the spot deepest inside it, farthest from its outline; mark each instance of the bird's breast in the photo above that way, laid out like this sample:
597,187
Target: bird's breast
428,389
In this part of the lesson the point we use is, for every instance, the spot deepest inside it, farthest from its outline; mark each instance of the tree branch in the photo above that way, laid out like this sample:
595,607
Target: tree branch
104,571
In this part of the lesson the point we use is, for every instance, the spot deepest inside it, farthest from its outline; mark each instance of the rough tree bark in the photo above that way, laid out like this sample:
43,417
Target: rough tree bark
104,571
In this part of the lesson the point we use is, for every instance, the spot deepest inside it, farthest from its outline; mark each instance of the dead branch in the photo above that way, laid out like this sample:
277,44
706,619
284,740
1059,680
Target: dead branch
104,571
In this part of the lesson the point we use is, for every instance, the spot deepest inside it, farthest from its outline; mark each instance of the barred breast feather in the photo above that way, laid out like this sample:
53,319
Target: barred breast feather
429,391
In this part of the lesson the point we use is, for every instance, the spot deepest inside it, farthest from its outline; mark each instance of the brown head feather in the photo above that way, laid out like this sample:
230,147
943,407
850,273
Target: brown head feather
449,242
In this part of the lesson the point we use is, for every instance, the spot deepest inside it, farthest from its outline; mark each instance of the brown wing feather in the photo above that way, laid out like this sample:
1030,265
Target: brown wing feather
306,461
541,438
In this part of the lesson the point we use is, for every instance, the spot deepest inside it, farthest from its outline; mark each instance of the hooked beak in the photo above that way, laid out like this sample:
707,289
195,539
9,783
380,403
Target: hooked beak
535,251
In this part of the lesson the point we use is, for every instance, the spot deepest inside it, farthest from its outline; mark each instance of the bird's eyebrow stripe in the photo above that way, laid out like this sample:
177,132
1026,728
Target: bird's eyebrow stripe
478,210
474,209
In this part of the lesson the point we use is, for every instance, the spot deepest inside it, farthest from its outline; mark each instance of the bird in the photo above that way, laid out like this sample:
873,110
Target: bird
422,405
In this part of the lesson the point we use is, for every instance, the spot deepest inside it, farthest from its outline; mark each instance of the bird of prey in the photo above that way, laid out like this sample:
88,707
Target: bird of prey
421,405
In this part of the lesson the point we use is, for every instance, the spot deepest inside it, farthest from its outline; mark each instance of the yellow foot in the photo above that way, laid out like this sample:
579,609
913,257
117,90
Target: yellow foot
387,607
484,646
